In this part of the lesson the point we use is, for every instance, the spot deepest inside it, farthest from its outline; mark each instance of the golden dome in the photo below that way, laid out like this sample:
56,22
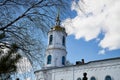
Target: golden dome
58,28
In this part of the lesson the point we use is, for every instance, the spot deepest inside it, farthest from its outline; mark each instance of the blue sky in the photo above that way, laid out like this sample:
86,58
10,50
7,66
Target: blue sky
80,49
93,30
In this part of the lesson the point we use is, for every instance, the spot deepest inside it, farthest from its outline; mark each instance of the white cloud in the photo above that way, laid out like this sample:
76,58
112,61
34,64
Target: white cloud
101,52
97,16
97,39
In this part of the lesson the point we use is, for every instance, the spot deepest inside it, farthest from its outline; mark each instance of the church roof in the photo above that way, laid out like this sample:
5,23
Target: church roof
88,63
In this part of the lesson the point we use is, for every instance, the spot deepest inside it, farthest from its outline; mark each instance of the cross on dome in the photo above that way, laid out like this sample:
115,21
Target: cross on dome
58,19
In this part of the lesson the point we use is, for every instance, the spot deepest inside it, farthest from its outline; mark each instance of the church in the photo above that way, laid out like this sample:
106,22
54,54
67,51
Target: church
55,67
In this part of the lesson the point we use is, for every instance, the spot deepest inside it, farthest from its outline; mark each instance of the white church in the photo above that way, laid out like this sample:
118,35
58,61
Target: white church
55,62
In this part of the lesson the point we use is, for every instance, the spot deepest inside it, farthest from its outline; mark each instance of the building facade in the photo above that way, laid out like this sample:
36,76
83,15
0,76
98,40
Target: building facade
55,62
108,69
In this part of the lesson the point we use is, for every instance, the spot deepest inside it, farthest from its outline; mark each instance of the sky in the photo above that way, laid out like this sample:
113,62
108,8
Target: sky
93,31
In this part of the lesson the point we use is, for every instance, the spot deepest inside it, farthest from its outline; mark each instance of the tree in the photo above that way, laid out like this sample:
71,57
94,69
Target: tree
8,60
22,20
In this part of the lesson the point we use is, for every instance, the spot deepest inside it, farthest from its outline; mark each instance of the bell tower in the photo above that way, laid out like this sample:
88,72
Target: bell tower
55,55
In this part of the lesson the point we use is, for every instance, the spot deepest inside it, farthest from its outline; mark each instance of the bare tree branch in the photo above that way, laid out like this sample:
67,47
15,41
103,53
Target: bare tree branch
26,22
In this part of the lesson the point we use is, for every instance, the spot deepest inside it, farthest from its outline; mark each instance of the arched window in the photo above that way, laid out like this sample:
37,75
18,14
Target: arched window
79,78
63,41
92,78
108,78
49,59
50,39
63,60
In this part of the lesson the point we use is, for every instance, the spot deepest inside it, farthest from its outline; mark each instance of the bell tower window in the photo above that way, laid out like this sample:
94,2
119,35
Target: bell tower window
50,39
63,60
49,59
63,41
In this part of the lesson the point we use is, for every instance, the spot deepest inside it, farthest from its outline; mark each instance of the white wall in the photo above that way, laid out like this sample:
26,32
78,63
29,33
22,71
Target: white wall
99,70
56,49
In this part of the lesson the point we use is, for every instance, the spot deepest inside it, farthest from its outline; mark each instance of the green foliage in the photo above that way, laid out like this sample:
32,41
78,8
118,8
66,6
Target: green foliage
2,35
8,60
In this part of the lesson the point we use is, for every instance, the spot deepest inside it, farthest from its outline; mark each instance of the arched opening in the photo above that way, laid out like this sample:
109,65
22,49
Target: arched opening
63,41
79,78
49,59
108,78
63,60
92,78
50,39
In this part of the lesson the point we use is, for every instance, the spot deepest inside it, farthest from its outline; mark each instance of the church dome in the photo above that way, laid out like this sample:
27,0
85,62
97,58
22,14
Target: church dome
58,28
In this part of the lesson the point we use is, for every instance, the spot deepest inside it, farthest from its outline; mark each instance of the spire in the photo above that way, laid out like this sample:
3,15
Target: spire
58,19
57,26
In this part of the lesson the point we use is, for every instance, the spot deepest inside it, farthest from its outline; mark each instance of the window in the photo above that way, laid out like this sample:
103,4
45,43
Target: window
63,60
50,39
92,78
79,78
49,58
63,41
108,78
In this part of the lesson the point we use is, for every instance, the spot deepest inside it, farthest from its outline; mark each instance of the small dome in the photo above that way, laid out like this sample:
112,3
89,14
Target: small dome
58,28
